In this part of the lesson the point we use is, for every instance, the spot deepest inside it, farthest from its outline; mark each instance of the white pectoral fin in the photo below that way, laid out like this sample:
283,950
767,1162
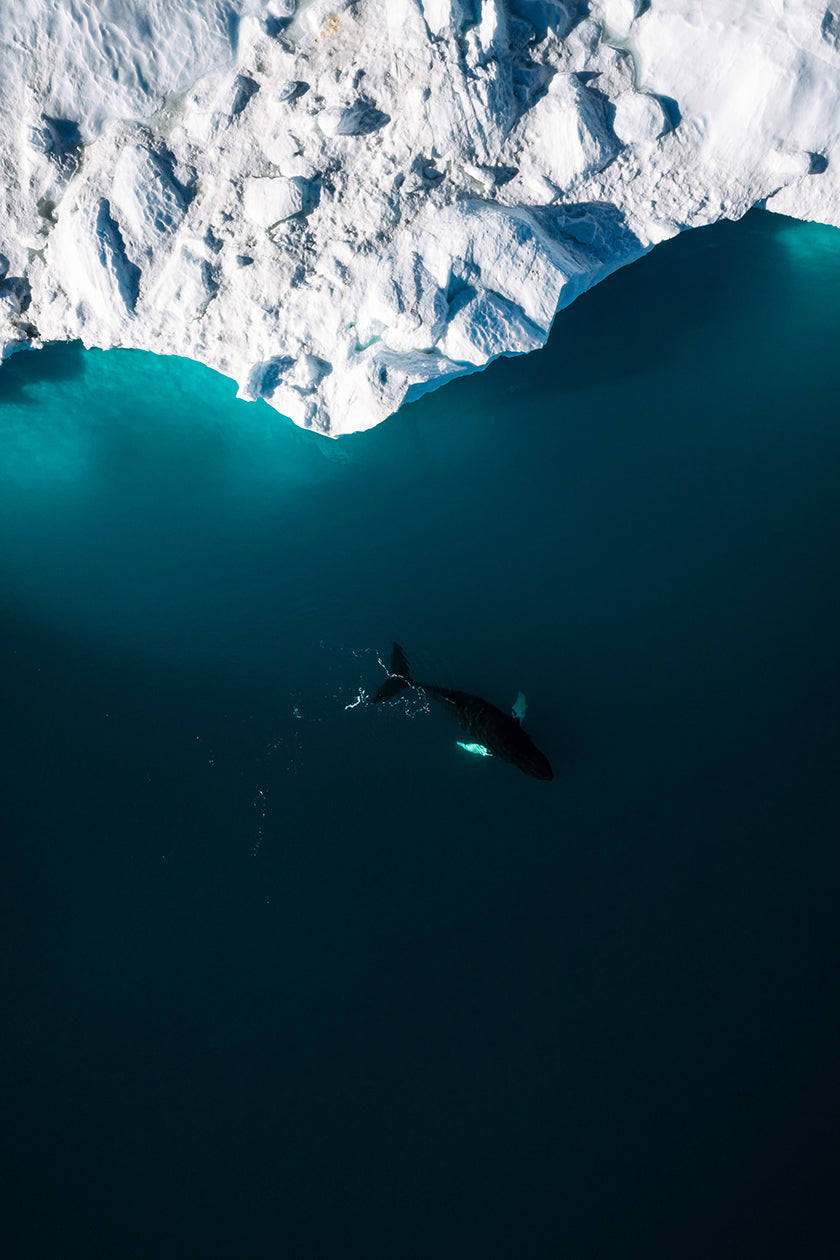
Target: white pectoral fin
478,749
520,706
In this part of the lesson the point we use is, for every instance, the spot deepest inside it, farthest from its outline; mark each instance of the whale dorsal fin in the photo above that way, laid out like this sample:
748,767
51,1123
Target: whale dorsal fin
399,663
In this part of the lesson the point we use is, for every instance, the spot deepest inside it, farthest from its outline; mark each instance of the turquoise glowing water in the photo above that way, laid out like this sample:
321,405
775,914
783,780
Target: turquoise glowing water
289,975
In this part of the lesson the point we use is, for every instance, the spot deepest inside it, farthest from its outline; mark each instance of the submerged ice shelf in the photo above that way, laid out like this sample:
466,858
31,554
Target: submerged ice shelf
343,203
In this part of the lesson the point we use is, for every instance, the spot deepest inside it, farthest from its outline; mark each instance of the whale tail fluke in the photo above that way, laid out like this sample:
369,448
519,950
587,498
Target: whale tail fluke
390,688
400,677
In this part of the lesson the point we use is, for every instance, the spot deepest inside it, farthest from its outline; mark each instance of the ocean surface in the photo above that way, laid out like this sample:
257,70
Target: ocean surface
285,974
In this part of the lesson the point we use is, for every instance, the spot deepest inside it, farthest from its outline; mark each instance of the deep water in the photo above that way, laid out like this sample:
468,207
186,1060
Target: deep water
287,975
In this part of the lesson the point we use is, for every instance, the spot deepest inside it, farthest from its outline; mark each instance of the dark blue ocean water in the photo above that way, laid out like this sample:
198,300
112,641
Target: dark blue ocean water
288,975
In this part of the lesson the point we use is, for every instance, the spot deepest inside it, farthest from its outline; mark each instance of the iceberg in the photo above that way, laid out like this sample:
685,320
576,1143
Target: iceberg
342,204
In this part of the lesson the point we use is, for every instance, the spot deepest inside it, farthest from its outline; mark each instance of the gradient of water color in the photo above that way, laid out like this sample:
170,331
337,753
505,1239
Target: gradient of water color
285,974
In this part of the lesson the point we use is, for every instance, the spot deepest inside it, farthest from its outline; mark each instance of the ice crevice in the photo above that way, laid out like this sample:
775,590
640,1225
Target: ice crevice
342,204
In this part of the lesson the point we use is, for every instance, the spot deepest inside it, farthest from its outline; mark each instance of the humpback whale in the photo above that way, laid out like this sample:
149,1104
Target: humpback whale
499,732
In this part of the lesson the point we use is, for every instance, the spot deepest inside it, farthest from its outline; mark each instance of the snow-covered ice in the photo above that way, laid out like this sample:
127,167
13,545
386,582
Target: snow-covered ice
343,203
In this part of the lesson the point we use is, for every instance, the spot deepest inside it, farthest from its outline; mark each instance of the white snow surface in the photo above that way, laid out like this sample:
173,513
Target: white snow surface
343,203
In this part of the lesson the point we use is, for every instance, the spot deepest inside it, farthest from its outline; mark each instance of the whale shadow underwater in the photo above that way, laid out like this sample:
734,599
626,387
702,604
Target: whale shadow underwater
495,731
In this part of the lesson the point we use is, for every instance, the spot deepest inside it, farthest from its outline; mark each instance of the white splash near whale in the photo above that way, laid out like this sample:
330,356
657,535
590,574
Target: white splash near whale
343,203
